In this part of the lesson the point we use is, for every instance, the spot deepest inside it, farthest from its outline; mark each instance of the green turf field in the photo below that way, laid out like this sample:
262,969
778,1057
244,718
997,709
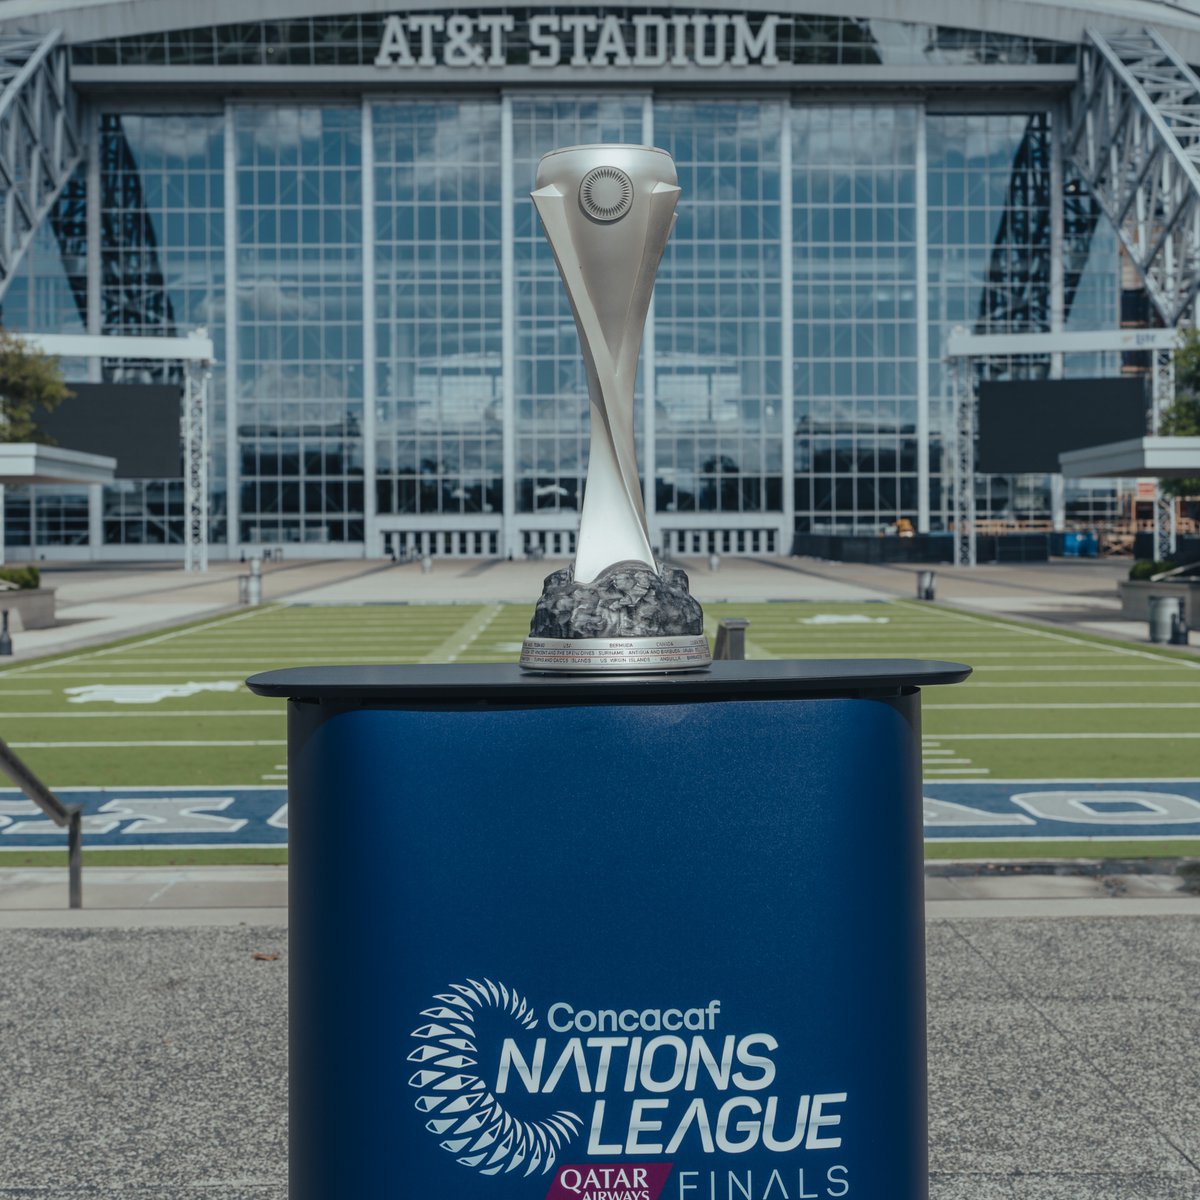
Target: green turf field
1042,703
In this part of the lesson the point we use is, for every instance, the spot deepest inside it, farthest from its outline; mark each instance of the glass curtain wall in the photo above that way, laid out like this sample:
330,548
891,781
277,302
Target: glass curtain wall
719,347
989,186
718,311
855,237
299,326
162,273
438,294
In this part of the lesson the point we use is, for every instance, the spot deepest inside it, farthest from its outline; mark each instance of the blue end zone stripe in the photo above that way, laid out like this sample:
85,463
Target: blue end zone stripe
967,811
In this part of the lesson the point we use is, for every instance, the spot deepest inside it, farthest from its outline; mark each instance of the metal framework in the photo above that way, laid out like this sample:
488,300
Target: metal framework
1017,293
967,352
1135,138
40,140
195,354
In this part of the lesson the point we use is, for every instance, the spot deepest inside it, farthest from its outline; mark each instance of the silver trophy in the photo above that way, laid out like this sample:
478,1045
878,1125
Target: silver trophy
608,212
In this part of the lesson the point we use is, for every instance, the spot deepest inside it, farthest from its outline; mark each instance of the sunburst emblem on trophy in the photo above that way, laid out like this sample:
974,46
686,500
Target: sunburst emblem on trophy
607,212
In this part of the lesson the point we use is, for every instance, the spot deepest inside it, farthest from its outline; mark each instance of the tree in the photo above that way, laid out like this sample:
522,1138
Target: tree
30,382
1182,416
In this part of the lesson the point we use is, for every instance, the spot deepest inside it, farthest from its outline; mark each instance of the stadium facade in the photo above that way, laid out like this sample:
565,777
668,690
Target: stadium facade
342,202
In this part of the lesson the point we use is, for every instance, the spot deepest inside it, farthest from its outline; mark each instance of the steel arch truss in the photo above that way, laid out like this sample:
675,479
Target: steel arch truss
1135,138
40,140
1018,294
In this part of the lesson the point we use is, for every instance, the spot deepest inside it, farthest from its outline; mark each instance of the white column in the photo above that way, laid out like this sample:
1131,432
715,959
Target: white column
232,450
95,313
509,544
649,461
371,544
95,519
787,310
922,256
95,233
1058,491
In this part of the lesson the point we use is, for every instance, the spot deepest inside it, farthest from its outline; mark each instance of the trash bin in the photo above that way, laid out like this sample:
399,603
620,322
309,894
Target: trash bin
548,927
1070,545
1164,612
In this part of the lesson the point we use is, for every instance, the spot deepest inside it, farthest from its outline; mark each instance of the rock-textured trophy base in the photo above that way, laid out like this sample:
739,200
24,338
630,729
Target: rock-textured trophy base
629,618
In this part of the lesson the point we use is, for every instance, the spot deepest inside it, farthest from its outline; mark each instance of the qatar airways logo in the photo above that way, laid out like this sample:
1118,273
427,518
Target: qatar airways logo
506,1096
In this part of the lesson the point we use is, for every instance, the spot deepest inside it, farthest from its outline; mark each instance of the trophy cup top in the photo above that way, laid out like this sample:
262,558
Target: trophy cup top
607,178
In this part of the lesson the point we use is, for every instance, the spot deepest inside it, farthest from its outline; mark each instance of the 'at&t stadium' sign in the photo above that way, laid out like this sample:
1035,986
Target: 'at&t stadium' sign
546,40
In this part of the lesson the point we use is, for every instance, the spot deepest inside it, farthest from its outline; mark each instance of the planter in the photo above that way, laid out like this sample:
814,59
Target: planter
29,608
1135,597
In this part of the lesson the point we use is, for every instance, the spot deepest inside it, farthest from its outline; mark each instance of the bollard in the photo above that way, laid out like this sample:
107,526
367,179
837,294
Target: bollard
731,638
714,562
5,636
926,585
426,564
1179,627
1164,611
254,586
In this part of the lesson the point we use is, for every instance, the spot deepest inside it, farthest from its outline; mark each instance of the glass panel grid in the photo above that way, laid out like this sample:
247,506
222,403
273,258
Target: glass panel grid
718,324
438,307
300,314
854,228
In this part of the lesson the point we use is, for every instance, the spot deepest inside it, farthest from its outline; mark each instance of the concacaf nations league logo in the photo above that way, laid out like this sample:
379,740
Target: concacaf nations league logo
463,1111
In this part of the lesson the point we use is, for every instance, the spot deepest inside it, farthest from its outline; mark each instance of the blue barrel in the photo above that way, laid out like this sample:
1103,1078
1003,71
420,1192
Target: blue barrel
648,936
1071,545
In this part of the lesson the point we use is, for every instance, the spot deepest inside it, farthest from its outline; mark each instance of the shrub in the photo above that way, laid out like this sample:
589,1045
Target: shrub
23,577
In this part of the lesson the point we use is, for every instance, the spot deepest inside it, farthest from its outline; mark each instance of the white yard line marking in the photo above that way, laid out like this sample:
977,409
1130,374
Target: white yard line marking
931,749
1132,704
1089,683
1060,737
145,712
463,636
1030,631
125,745
276,778
111,650
1066,667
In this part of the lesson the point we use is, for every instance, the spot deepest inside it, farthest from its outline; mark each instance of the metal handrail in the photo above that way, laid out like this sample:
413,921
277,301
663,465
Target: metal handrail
69,816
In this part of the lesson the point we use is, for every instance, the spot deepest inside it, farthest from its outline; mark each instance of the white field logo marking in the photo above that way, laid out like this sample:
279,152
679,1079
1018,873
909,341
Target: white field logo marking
143,693
463,1110
843,619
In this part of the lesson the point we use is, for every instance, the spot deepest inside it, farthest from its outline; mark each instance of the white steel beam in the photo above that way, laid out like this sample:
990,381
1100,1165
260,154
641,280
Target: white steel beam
40,140
1135,138
962,343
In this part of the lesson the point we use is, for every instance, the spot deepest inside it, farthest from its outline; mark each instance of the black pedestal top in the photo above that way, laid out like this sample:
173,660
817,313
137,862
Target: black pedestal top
506,683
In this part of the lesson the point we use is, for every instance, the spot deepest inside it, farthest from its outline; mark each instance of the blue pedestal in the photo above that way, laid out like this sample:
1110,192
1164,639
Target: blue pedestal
604,941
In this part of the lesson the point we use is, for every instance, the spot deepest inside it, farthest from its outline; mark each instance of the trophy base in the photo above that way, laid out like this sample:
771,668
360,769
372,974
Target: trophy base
616,656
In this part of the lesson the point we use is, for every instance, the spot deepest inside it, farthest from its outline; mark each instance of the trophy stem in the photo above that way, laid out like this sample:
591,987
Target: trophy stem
607,212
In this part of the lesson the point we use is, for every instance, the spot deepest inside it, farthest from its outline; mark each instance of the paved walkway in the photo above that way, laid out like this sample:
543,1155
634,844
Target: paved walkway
139,897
